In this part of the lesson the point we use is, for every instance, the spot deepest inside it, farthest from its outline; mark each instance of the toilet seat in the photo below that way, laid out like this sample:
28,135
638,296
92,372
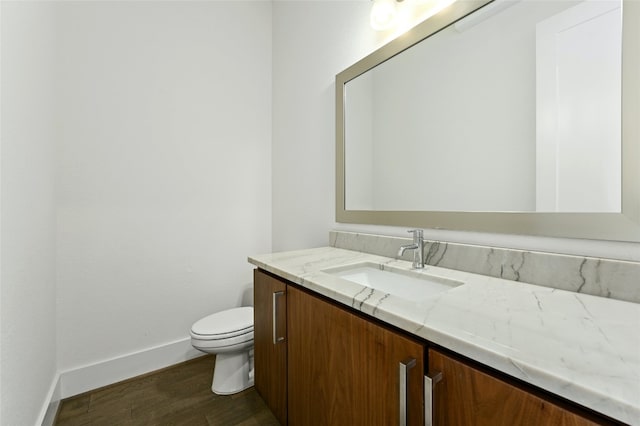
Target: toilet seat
230,327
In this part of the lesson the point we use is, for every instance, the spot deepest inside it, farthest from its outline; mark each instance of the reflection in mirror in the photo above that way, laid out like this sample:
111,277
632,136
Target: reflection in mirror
519,111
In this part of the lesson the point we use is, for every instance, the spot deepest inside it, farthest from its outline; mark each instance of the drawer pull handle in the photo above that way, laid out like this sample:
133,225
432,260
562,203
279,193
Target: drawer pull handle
405,366
430,382
276,296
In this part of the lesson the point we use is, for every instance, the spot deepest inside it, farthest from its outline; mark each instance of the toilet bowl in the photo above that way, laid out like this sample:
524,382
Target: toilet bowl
229,335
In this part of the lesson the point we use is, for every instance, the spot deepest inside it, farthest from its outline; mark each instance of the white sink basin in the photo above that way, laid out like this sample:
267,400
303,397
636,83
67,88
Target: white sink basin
407,284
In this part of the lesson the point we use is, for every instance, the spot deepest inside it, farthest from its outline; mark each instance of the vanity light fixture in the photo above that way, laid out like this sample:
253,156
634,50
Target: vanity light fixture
404,14
383,14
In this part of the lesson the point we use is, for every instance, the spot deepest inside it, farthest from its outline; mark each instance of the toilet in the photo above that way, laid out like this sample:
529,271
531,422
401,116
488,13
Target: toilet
229,335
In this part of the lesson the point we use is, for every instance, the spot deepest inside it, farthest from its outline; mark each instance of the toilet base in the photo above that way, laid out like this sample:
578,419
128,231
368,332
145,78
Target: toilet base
232,373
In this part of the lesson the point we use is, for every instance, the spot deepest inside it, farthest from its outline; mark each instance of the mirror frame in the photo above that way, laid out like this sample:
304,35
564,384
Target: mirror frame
624,226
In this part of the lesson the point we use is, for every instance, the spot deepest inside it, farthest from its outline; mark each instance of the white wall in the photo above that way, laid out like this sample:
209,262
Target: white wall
330,37
312,42
163,168
27,280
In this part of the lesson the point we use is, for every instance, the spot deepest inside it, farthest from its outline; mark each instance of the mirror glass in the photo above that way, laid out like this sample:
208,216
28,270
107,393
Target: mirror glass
514,108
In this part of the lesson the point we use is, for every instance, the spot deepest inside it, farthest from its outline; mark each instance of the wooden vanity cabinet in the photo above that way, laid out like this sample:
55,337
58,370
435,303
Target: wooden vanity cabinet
270,343
465,395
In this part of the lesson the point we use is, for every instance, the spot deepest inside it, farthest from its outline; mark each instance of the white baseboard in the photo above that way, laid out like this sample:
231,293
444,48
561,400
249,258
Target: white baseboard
93,376
52,401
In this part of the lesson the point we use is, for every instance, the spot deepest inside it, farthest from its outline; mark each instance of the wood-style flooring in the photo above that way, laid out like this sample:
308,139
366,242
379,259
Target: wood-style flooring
178,395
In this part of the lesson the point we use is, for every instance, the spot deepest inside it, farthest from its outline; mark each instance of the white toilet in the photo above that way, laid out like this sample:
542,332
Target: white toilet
229,335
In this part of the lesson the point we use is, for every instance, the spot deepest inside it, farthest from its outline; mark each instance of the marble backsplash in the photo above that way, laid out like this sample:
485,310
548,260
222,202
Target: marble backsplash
615,279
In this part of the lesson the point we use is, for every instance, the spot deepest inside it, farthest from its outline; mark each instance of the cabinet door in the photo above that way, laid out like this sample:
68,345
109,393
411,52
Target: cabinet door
270,349
344,370
467,396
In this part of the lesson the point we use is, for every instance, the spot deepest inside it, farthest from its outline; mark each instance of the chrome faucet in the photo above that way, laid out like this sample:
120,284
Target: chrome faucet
417,247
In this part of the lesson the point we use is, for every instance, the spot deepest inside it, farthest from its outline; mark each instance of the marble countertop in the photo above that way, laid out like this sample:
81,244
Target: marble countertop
581,347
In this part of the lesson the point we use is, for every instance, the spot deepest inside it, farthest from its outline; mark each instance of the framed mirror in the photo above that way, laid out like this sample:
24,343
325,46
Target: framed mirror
508,116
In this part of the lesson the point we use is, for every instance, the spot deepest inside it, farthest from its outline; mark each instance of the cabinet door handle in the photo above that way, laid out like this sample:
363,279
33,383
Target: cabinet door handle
276,296
405,366
430,382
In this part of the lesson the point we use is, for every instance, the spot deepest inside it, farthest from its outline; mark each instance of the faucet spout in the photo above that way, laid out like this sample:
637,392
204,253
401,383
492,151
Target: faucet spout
407,247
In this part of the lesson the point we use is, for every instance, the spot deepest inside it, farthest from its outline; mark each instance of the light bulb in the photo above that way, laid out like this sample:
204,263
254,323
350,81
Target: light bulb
383,14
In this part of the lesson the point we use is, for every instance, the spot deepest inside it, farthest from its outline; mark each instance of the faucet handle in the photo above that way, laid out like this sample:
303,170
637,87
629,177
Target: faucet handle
416,232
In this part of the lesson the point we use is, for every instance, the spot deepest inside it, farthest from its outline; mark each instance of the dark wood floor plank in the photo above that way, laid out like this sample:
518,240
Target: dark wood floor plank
242,410
75,407
179,395
121,416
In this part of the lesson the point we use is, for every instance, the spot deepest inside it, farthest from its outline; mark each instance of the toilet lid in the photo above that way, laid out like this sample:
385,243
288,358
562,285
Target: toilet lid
225,324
